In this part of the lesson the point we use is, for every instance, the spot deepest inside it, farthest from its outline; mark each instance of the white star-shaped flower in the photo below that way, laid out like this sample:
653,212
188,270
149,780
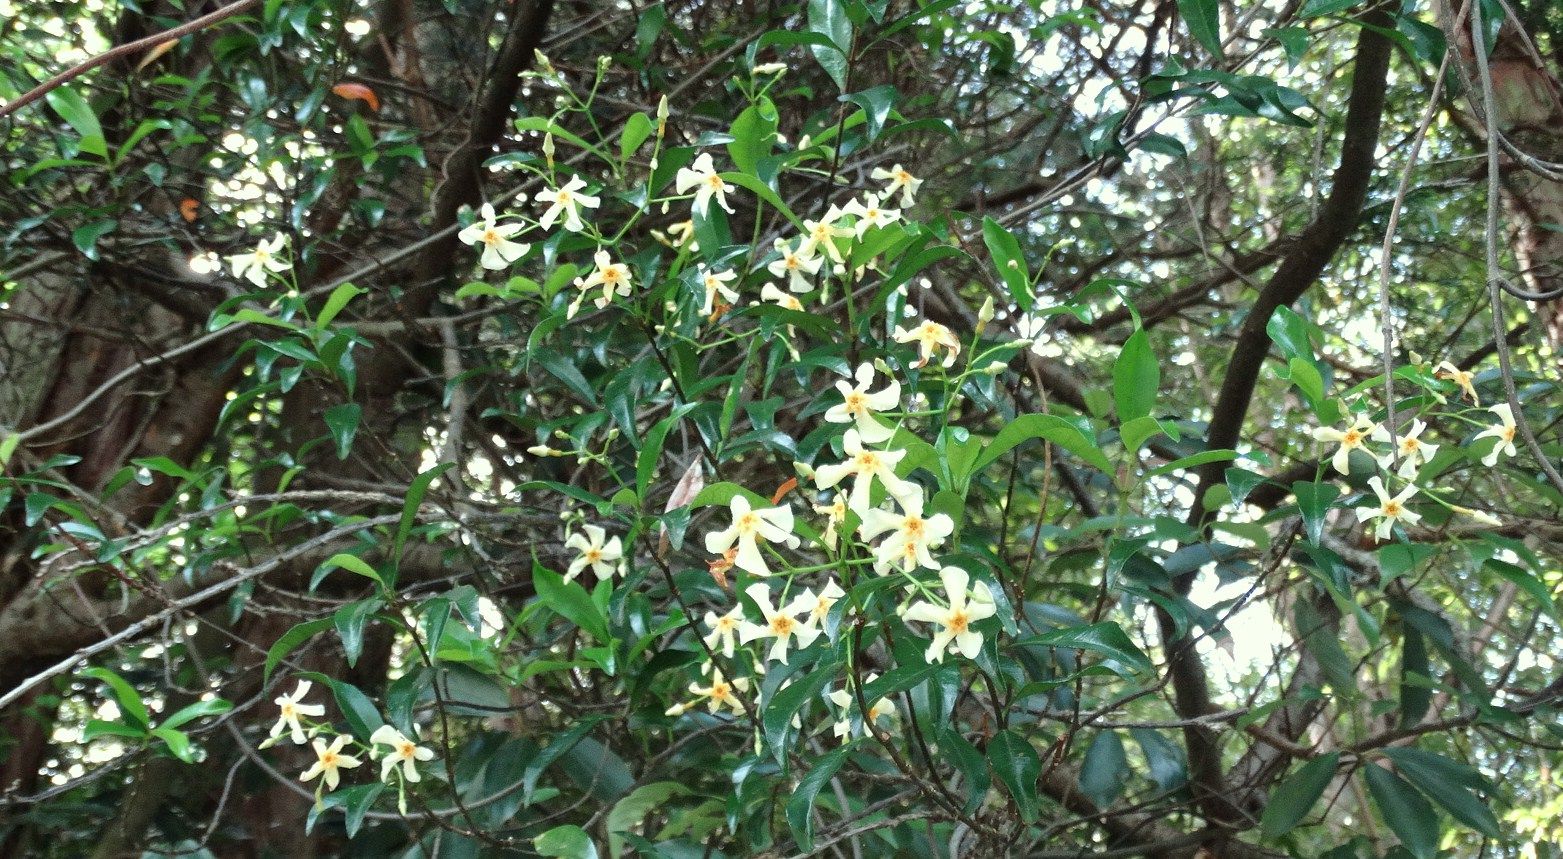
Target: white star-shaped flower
254,265
1503,432
402,751
910,535
707,183
859,405
869,213
329,760
864,466
1390,509
594,552
715,283
1413,451
292,707
1353,437
498,250
795,265
900,180
750,525
954,621
567,201
780,624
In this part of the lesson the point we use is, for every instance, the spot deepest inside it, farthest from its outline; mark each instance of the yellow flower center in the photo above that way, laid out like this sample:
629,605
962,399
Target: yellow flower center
1508,434
593,555
721,691
1410,445
958,622
782,625
1352,438
902,177
867,461
726,624
564,198
406,750
289,711
1392,509
715,183
612,275
748,523
490,237
856,403
793,263
913,526
329,759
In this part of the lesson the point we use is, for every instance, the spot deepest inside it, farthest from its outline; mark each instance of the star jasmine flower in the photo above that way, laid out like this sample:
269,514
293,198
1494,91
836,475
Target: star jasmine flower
822,234
567,201
899,179
1389,510
911,535
613,277
716,283
835,513
724,630
1463,378
721,692
702,176
930,336
1354,437
771,524
864,466
820,604
254,265
1032,331
869,213
292,707
858,405
770,292
779,624
797,266
955,620
403,751
1413,451
498,250
594,553
329,760
1503,432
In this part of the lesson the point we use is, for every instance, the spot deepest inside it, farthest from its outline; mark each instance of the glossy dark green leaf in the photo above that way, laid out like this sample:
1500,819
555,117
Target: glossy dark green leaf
1106,638
1447,783
290,640
1405,811
1105,771
800,805
1314,501
1203,18
1295,796
343,422
828,18
1018,767
1010,262
570,601
131,706
1049,427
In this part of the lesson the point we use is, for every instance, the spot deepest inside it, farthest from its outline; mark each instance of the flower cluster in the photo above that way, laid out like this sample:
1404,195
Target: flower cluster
399,752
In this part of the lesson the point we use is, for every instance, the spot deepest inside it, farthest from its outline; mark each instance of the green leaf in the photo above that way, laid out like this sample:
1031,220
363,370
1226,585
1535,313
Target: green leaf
876,104
1314,501
1405,811
1106,638
415,493
98,728
1105,771
1136,377
78,114
829,19
800,806
971,763
1049,427
630,810
343,422
178,743
352,564
1007,258
1169,766
289,641
1193,461
764,192
85,237
191,712
349,621
777,717
360,712
338,299
1203,18
1289,331
1445,782
651,452
570,601
8,448
566,842
130,704
1295,797
1316,8
1416,694
754,133
636,129
1017,765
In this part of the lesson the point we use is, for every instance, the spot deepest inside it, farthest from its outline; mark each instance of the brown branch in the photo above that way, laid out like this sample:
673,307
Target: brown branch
1315,247
124,50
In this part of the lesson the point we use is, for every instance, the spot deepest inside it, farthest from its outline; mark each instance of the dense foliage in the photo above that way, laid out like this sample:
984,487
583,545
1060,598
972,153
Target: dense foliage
850,427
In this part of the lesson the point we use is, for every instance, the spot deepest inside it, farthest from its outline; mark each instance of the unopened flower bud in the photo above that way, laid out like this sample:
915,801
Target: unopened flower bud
985,314
548,149
994,369
804,470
